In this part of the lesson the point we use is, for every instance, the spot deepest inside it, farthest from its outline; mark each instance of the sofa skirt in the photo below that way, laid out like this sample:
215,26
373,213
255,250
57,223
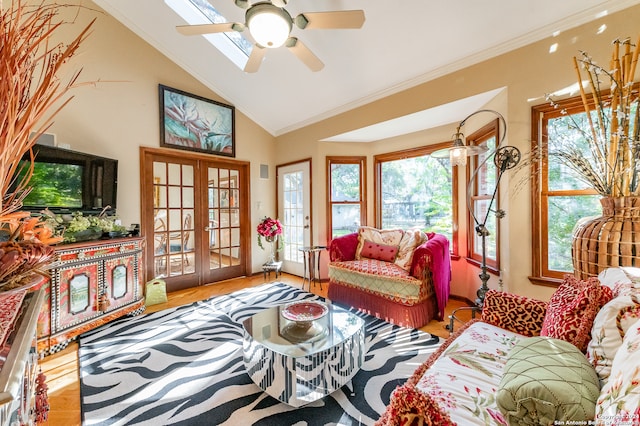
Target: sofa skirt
412,316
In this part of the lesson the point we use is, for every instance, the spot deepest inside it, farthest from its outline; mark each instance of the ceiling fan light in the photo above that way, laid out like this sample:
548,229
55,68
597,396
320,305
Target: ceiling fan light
269,25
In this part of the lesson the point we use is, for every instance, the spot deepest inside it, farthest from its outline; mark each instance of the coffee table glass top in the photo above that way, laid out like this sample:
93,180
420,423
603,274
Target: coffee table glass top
272,330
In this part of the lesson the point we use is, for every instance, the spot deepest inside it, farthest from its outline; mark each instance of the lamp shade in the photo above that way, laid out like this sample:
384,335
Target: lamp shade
269,25
458,151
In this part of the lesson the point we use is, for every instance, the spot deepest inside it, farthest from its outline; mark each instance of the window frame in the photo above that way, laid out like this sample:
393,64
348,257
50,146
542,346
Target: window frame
540,193
408,153
474,255
362,162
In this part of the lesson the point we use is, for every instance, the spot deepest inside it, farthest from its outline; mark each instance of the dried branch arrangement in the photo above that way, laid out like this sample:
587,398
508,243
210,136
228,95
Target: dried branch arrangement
32,94
30,87
612,133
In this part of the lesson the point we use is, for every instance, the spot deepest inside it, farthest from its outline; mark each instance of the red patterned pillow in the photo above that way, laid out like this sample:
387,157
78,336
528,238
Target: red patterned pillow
520,314
572,309
377,251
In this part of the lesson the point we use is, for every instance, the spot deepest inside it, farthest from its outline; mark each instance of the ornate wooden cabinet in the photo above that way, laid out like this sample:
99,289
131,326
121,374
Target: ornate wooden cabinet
19,357
92,284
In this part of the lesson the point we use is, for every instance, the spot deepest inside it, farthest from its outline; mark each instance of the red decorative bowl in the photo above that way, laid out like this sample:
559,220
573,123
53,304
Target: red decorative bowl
304,311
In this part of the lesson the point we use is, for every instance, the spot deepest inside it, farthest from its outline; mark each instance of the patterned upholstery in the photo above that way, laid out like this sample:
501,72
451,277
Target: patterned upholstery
519,314
382,278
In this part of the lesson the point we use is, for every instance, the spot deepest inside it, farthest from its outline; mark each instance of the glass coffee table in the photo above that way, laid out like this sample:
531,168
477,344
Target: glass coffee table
300,361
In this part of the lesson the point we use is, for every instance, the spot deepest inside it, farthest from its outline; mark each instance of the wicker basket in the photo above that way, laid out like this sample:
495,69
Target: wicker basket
612,239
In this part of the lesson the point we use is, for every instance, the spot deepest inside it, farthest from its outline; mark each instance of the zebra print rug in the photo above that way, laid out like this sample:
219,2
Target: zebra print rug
184,366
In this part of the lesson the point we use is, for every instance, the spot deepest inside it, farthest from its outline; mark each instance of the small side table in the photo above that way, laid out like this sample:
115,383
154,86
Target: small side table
271,266
312,265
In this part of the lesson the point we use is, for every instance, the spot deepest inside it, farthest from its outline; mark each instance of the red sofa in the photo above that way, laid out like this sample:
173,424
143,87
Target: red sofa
409,294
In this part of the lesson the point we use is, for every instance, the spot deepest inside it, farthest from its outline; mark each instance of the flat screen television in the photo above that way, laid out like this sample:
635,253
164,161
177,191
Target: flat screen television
68,181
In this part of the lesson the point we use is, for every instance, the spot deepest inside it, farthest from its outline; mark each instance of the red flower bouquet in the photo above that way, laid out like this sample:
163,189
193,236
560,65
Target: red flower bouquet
269,229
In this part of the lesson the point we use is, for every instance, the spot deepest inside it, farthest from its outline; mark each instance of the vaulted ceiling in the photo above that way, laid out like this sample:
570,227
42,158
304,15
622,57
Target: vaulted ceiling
401,44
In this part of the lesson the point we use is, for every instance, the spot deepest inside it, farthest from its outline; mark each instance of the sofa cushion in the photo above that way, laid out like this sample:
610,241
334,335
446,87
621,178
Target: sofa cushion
378,251
623,280
389,237
520,314
546,380
572,309
385,279
408,244
609,328
619,401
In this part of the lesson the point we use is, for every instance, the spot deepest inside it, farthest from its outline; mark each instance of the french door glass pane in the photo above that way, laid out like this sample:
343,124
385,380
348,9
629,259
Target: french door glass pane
224,223
564,213
294,220
173,219
417,192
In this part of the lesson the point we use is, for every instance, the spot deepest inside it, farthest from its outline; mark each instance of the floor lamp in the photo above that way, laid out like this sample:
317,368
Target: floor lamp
505,158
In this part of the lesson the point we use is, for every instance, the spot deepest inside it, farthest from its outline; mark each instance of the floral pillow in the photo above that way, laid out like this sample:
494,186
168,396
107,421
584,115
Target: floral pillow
572,309
622,280
609,328
619,401
376,251
389,237
408,244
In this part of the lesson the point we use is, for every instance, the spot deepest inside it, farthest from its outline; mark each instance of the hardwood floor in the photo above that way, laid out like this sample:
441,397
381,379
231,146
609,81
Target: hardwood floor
62,371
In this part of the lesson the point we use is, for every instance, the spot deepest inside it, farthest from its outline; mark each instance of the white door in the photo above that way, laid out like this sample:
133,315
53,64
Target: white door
294,210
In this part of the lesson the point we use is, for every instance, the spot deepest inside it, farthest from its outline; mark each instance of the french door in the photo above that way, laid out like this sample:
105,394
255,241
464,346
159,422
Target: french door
294,210
195,217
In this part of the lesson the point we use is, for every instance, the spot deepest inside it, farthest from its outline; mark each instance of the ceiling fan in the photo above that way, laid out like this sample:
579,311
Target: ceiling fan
270,26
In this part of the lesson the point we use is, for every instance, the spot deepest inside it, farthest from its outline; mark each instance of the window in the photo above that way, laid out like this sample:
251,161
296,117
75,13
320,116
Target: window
232,44
559,197
414,189
480,193
346,186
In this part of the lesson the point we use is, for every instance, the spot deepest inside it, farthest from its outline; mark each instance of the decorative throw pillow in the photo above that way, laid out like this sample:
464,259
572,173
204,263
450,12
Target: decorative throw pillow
408,244
520,314
619,399
572,309
609,328
389,237
547,380
372,250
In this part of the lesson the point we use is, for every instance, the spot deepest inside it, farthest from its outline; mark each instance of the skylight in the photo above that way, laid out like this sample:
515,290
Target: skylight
232,44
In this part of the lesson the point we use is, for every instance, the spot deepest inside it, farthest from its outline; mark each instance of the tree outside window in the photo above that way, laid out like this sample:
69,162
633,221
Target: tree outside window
345,188
481,192
415,190
560,197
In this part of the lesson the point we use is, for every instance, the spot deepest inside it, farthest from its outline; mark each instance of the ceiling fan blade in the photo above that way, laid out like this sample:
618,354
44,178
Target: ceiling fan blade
304,54
255,59
342,19
279,3
209,28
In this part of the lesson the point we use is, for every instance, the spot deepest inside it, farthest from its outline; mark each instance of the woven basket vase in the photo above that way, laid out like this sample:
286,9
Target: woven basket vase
612,239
